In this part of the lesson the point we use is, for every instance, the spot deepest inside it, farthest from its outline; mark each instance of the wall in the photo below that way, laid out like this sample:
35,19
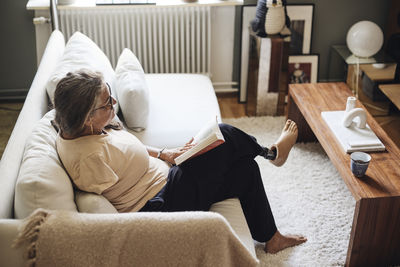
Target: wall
222,47
222,62
17,47
332,20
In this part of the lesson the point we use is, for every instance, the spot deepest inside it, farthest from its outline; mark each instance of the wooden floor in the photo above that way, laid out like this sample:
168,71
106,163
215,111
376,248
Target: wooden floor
8,113
230,106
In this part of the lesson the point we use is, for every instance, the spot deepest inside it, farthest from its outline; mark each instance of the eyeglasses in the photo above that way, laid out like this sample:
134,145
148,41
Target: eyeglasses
109,104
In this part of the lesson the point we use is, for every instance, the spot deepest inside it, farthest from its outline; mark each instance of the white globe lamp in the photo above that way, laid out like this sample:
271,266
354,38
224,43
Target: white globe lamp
364,39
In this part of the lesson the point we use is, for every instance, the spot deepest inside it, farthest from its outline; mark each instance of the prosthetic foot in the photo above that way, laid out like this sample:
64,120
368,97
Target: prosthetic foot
285,143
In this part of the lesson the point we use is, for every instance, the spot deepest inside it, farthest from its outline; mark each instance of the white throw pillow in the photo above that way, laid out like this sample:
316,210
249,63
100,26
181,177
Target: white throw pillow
42,181
93,203
132,90
81,53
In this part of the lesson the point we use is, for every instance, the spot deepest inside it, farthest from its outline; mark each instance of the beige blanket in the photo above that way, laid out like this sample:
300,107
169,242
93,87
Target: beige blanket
63,238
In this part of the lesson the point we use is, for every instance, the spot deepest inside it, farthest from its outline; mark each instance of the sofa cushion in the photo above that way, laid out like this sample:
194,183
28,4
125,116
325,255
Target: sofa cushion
81,53
132,90
93,203
232,210
179,105
42,181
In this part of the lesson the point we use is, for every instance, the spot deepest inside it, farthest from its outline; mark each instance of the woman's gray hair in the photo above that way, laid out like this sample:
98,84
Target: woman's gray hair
74,99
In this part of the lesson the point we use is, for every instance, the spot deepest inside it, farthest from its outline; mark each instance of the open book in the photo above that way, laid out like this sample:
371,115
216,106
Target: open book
207,138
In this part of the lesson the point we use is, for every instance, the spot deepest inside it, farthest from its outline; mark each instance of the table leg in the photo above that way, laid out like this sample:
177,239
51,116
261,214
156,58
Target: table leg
375,235
305,132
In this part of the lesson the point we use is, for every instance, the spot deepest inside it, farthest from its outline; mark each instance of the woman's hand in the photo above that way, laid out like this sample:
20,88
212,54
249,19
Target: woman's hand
169,155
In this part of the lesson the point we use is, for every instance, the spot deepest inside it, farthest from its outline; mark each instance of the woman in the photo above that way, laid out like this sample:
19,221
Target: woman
107,160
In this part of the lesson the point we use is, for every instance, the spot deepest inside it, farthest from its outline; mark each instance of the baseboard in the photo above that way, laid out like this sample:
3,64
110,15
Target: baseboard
330,80
13,94
226,90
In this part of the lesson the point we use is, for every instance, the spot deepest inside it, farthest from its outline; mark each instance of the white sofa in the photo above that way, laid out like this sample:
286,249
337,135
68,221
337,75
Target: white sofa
168,92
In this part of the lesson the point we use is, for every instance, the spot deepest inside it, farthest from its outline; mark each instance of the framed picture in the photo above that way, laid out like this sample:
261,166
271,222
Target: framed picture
303,68
301,18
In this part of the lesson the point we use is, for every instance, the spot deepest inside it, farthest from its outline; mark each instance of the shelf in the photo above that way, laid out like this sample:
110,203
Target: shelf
349,58
380,75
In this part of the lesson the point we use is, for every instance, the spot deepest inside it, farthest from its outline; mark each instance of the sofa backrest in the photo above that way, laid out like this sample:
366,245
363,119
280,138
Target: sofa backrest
35,106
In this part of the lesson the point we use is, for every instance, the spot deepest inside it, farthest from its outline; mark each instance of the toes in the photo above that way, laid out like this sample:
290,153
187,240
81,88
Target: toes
287,125
301,239
293,127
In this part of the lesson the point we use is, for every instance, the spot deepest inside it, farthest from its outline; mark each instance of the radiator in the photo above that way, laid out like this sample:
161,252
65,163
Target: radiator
165,39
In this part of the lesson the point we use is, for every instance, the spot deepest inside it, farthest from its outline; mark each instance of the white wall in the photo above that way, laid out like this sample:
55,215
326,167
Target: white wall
222,46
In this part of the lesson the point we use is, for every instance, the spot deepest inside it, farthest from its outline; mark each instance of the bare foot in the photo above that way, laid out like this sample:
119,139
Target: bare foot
285,143
279,242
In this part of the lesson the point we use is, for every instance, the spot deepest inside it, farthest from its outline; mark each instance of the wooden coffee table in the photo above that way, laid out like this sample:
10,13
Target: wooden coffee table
375,234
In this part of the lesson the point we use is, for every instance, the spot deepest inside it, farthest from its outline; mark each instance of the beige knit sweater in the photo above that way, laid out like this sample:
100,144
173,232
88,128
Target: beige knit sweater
63,238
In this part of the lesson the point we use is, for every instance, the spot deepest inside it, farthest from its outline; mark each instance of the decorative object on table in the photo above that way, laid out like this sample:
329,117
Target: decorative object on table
364,39
355,113
359,163
351,130
352,138
303,68
301,19
271,18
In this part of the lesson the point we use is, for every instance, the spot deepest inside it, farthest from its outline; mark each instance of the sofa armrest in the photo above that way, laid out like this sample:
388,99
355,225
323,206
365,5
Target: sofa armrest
34,108
10,257
145,238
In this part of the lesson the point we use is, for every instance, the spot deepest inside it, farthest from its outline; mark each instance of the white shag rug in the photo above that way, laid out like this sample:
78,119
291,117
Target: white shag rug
307,197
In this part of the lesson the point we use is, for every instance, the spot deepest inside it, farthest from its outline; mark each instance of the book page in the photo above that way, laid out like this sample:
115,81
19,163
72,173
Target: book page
208,138
207,130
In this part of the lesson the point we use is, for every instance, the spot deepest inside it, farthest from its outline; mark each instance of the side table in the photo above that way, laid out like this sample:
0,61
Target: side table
353,74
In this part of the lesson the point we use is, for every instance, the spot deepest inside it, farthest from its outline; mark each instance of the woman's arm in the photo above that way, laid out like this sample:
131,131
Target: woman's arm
154,152
169,154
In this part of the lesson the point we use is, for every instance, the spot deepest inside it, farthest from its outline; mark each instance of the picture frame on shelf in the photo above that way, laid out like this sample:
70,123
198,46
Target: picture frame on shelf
303,68
301,21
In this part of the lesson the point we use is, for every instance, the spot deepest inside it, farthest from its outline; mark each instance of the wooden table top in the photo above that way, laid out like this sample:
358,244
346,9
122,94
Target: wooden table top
392,91
382,178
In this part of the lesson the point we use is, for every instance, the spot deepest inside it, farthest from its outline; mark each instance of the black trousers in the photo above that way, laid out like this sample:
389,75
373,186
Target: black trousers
227,171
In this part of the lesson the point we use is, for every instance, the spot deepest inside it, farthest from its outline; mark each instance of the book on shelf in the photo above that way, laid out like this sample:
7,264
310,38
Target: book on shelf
207,138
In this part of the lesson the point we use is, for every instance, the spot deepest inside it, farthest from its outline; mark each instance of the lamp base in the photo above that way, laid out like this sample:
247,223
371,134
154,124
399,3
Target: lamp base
353,59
